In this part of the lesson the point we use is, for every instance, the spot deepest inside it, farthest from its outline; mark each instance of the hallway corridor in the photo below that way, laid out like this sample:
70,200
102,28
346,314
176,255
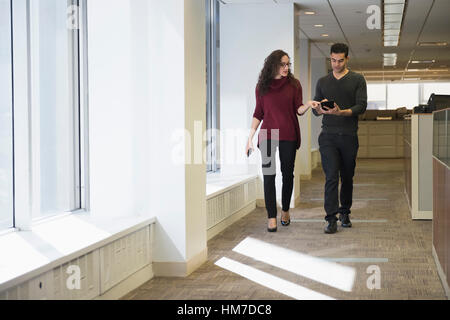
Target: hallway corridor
337,266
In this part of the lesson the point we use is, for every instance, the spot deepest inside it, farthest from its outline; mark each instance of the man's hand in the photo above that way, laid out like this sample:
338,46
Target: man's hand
337,111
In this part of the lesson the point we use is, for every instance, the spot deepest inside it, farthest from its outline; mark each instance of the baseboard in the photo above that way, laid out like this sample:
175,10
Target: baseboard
422,215
230,220
129,284
260,203
179,269
441,273
196,261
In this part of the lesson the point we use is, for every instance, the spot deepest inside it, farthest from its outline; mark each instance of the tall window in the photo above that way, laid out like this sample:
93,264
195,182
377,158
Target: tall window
382,96
213,84
436,88
40,108
6,118
402,95
376,96
54,56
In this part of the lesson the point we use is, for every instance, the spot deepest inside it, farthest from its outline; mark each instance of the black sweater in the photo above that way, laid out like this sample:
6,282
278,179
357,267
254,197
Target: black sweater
349,92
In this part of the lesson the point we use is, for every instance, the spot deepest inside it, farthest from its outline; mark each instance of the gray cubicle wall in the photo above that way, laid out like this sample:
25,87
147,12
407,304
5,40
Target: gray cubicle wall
425,163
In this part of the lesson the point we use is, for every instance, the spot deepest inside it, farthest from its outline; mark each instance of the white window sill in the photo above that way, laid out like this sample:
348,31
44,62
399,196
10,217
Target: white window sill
217,183
27,254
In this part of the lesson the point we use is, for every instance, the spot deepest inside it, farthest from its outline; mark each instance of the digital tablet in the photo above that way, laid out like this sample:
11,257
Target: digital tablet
327,105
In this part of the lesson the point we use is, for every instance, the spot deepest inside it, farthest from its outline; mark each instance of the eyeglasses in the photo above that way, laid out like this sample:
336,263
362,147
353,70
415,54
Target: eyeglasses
283,65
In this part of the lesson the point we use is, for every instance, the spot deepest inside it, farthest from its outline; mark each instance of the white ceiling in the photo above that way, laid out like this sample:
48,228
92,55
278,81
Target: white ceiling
345,21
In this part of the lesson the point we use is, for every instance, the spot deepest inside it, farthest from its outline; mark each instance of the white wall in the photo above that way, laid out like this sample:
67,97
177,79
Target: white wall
296,71
166,82
195,117
147,86
318,70
111,108
305,120
249,33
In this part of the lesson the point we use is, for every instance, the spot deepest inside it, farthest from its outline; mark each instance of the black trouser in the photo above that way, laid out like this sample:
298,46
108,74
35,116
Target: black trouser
338,152
287,151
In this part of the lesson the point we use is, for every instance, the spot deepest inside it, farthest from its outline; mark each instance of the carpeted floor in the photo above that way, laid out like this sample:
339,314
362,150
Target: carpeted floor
385,255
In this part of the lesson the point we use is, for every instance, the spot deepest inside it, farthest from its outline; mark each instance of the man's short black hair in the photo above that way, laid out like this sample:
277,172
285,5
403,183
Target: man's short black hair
339,48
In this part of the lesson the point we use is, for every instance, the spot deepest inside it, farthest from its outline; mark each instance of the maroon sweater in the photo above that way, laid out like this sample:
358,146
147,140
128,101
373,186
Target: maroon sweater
278,110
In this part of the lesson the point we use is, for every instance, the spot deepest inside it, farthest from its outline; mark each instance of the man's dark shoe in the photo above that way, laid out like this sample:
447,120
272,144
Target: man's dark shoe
332,227
345,220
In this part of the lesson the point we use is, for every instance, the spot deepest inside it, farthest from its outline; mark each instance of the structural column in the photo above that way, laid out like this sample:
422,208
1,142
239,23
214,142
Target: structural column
305,120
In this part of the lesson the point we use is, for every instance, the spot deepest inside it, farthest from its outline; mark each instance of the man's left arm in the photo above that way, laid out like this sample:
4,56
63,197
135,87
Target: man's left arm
361,98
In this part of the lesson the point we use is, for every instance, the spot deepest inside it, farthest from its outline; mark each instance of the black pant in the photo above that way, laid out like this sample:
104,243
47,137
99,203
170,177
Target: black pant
287,151
338,152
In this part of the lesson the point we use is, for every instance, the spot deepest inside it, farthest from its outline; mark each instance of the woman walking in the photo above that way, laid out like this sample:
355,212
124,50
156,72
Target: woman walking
278,102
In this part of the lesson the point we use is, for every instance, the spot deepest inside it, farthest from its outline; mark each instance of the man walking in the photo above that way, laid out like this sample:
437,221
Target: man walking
338,141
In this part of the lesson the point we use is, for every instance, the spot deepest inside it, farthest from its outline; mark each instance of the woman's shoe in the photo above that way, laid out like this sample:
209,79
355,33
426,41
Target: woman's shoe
285,223
272,229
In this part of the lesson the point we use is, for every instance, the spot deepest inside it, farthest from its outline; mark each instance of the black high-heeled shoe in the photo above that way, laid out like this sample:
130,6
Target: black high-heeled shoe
272,229
285,223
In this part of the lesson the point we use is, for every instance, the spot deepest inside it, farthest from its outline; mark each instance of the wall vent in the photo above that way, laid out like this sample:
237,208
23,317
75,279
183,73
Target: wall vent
100,270
231,201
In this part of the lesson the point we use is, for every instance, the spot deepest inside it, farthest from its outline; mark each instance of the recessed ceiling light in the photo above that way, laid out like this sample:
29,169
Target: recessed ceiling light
423,61
310,12
432,44
389,59
391,43
324,35
390,38
393,8
394,18
318,25
391,32
392,25
394,1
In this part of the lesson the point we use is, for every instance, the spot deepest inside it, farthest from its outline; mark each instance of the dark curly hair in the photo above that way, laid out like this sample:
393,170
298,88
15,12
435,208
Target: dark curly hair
270,71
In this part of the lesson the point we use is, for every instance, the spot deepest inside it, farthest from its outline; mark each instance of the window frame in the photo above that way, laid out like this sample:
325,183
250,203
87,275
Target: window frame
422,98
24,178
11,106
213,86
